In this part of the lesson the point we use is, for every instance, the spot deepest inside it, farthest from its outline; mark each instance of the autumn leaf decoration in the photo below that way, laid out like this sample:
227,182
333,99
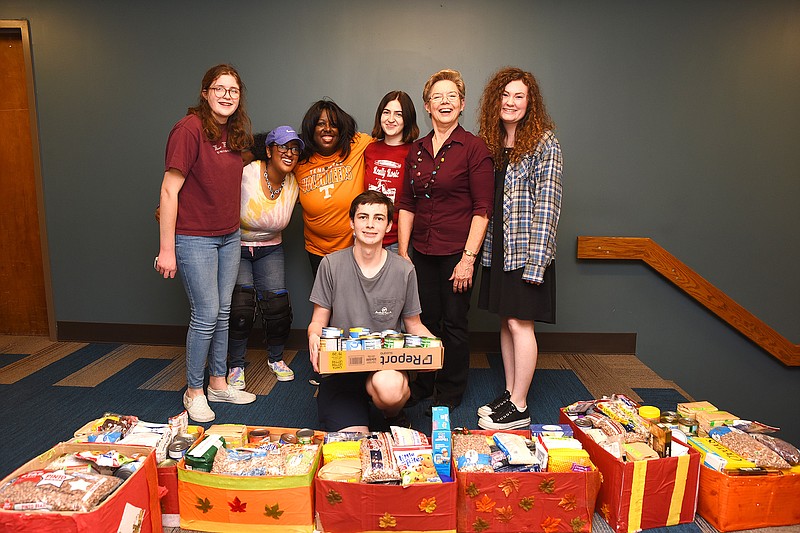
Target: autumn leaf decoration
606,511
508,485
272,512
548,485
577,524
480,525
526,503
472,490
505,514
550,525
485,504
387,521
204,504
427,505
333,497
237,505
568,502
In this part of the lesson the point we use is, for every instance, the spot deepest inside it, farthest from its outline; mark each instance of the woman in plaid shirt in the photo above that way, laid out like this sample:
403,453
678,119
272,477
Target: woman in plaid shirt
518,280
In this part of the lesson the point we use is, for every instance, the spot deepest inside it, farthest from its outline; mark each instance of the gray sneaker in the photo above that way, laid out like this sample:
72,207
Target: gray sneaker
198,408
231,395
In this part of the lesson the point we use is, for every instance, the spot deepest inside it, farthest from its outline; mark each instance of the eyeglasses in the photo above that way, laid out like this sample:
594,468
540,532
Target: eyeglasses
438,98
220,92
283,148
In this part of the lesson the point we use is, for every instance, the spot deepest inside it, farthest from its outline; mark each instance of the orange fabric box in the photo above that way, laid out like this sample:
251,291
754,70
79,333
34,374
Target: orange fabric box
526,501
730,503
214,502
643,494
132,507
370,508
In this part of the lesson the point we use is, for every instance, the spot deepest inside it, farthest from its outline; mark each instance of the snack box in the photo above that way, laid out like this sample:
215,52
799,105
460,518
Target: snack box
214,502
711,419
526,501
692,408
132,507
339,361
730,503
643,494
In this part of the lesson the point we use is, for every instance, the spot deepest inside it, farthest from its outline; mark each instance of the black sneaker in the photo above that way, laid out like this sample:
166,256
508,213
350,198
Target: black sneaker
507,417
491,407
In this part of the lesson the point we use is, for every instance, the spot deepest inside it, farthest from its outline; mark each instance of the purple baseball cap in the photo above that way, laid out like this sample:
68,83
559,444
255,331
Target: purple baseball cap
283,135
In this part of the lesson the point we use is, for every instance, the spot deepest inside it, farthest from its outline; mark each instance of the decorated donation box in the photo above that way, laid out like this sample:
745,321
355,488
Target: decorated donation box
730,503
638,495
526,501
362,507
133,507
382,359
241,503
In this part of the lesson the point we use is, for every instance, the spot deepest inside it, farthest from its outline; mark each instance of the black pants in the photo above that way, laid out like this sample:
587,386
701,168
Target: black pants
444,313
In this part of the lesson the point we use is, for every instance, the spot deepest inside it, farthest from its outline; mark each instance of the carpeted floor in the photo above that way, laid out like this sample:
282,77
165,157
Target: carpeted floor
52,389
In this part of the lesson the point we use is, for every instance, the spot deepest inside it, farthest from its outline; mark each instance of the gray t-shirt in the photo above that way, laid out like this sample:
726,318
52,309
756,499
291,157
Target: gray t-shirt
379,302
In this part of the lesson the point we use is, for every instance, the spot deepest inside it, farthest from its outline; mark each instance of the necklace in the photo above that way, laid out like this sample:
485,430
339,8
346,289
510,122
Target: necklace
273,193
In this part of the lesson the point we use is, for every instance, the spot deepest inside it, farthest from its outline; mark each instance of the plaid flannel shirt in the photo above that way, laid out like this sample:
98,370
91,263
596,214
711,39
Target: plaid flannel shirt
531,209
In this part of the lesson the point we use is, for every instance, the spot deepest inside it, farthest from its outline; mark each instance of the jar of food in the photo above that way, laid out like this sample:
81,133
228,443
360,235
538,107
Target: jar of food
650,413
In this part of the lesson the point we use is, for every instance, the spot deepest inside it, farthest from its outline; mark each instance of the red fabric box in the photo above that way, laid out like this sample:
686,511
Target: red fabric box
134,502
168,479
370,508
643,494
730,503
526,501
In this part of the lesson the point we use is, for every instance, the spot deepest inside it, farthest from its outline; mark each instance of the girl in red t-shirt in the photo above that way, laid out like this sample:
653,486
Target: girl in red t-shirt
384,161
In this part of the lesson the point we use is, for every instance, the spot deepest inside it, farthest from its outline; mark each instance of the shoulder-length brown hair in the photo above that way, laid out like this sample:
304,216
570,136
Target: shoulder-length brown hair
530,129
240,135
410,128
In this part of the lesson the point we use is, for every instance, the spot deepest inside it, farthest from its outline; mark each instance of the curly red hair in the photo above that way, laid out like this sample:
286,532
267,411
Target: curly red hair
529,130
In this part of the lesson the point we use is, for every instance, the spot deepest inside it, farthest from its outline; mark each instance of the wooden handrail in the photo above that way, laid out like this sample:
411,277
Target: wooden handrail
716,301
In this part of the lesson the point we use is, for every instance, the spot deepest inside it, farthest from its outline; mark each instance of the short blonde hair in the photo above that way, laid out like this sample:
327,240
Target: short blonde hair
444,75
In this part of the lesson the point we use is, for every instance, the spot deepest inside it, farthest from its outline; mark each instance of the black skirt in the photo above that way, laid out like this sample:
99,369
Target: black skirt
505,293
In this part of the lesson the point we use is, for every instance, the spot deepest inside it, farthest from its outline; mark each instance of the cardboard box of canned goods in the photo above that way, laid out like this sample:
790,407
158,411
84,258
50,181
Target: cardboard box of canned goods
339,361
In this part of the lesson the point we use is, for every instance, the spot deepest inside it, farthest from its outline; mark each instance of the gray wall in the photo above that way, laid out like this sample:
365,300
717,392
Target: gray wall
678,120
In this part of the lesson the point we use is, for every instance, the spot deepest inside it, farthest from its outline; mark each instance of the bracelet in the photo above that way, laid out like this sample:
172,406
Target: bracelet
469,253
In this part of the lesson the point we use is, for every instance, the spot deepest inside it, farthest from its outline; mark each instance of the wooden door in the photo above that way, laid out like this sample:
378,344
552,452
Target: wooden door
23,289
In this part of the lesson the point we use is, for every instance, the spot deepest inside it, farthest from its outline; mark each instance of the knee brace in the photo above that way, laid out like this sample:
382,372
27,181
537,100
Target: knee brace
243,312
276,316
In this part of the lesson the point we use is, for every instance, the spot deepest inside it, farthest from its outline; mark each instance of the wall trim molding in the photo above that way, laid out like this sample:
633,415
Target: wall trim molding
480,341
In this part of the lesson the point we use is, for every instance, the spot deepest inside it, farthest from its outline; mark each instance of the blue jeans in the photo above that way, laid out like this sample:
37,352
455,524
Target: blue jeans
208,267
261,267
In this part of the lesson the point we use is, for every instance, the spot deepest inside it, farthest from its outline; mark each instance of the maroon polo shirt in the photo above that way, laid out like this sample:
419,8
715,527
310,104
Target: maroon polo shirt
445,202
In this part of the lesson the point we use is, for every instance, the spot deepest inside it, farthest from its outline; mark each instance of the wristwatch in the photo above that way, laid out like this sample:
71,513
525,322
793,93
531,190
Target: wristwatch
469,253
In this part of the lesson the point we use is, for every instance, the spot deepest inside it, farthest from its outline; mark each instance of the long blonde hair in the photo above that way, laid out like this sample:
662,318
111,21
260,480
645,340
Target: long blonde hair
530,129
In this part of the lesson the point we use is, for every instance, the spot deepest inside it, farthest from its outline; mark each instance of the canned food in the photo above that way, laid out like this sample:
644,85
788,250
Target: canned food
331,332
393,341
352,344
258,434
372,342
386,332
288,438
583,422
188,437
305,436
177,449
669,417
330,344
413,341
431,342
688,425
358,332
166,463
127,470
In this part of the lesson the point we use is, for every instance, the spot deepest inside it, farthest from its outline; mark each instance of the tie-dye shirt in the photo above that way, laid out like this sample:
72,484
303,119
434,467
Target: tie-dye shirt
263,219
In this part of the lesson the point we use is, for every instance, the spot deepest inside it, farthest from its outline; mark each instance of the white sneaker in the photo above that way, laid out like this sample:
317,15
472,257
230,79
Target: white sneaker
231,395
198,408
236,378
281,370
